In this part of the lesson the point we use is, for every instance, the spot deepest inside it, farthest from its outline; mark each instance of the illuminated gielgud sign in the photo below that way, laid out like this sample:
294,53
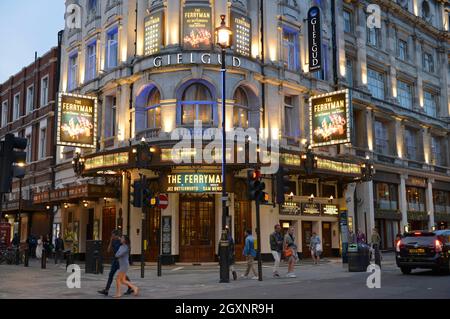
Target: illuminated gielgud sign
330,121
194,183
77,121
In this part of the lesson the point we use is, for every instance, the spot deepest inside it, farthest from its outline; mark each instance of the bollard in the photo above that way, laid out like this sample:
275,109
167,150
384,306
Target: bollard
17,256
26,258
44,259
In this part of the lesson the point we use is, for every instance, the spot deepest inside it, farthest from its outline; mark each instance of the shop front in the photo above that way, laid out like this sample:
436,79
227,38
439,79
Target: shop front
387,213
441,200
418,218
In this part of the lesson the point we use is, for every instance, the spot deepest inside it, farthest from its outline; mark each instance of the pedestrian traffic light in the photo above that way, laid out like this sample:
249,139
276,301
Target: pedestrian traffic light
255,185
12,160
282,180
136,194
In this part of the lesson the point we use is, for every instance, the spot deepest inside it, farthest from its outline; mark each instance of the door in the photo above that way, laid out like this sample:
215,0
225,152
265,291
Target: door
306,239
197,228
90,225
152,232
242,222
326,239
108,225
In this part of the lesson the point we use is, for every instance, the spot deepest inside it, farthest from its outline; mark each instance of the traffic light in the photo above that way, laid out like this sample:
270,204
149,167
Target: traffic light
255,186
12,160
282,180
309,162
367,172
136,194
143,155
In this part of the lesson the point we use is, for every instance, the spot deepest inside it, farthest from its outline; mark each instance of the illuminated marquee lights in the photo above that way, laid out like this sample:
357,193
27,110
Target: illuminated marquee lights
242,30
153,33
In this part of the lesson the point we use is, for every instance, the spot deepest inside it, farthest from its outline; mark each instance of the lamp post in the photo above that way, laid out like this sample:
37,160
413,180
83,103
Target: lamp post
223,34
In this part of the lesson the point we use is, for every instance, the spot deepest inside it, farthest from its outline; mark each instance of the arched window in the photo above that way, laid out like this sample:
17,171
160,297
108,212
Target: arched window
241,108
153,109
197,105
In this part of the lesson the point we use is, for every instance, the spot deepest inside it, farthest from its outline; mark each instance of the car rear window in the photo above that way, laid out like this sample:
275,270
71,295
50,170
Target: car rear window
421,240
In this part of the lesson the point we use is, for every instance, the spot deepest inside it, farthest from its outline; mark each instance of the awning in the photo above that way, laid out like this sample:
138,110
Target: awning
76,193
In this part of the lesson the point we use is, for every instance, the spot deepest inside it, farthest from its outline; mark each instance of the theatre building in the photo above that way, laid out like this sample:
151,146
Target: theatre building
27,101
150,68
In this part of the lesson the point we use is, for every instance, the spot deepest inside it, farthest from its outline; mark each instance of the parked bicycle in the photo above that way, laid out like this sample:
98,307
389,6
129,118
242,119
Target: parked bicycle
8,256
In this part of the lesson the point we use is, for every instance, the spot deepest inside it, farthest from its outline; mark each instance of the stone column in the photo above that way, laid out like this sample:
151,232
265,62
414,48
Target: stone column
418,104
403,205
350,201
173,23
361,36
442,70
369,126
429,202
366,209
399,134
427,156
392,76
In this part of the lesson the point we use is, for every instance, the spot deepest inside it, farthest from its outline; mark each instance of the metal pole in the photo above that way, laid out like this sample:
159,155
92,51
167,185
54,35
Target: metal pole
224,247
142,233
334,39
258,236
159,245
19,228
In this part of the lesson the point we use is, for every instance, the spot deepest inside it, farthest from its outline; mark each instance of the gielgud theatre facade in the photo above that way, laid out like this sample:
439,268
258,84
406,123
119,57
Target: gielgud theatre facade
154,68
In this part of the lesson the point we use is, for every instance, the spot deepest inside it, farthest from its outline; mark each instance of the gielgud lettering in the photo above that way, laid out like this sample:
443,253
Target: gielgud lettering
192,58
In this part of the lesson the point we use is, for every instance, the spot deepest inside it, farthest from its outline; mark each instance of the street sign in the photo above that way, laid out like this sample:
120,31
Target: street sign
163,201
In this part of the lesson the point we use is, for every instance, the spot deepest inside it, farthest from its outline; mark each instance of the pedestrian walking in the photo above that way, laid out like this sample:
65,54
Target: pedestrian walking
59,248
16,241
114,246
250,254
48,247
290,251
360,237
315,247
40,247
123,255
375,241
276,246
231,253
397,239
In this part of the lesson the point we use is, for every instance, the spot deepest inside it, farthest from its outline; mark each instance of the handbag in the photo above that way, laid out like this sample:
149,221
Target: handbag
319,248
287,252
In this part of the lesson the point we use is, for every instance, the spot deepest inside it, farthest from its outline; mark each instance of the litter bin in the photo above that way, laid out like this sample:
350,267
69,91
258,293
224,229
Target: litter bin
94,260
358,257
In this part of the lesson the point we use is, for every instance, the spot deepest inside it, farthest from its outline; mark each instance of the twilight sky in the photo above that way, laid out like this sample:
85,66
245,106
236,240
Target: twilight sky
27,26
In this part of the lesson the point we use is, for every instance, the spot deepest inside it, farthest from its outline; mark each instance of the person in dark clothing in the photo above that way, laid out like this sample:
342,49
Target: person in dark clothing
114,246
16,241
59,248
231,254
32,243
276,247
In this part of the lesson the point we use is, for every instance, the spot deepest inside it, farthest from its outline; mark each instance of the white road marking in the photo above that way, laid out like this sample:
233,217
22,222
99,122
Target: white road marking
179,268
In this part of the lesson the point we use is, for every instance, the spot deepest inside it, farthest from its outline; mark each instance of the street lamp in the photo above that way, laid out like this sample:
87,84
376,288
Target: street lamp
223,39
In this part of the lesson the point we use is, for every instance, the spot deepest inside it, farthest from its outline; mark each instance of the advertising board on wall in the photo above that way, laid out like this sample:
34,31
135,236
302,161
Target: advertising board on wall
197,28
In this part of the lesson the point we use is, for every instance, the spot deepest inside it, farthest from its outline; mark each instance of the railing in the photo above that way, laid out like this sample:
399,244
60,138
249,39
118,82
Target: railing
412,207
148,133
386,205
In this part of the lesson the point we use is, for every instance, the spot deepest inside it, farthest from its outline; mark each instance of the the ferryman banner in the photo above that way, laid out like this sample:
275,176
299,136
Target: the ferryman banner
77,120
330,120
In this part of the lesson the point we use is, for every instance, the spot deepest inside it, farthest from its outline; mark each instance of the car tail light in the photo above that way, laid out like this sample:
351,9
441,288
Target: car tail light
399,243
438,246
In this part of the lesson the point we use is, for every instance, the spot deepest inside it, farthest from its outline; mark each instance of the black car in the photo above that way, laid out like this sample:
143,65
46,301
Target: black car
425,250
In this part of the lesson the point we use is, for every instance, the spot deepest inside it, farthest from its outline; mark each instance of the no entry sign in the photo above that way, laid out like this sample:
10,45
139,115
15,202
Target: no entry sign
163,201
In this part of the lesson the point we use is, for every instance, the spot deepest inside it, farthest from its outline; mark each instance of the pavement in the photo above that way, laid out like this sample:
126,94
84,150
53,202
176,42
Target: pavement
328,280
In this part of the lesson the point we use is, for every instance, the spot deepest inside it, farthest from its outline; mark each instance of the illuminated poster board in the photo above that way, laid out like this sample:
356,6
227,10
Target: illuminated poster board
330,121
153,33
242,33
194,183
77,121
197,28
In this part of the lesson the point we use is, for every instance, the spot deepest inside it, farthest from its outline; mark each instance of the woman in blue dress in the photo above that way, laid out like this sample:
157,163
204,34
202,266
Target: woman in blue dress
123,255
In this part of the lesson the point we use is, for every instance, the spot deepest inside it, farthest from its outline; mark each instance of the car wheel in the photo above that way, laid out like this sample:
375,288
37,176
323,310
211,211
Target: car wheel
405,270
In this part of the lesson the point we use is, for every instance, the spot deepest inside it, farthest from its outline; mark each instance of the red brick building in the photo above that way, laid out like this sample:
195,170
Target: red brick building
27,109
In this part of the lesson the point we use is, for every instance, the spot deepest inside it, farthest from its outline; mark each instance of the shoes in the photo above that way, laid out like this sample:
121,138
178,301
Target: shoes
129,292
276,275
255,278
244,277
234,275
103,292
291,275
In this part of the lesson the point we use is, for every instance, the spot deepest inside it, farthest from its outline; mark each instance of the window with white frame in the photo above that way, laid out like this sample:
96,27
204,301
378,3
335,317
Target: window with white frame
404,94
348,21
291,121
381,137
428,62
73,72
241,108
436,150
112,49
411,144
91,61
29,149
402,50
44,91
42,143
290,49
373,37
430,103
376,84
30,99
5,112
110,116
197,105
16,107
154,110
